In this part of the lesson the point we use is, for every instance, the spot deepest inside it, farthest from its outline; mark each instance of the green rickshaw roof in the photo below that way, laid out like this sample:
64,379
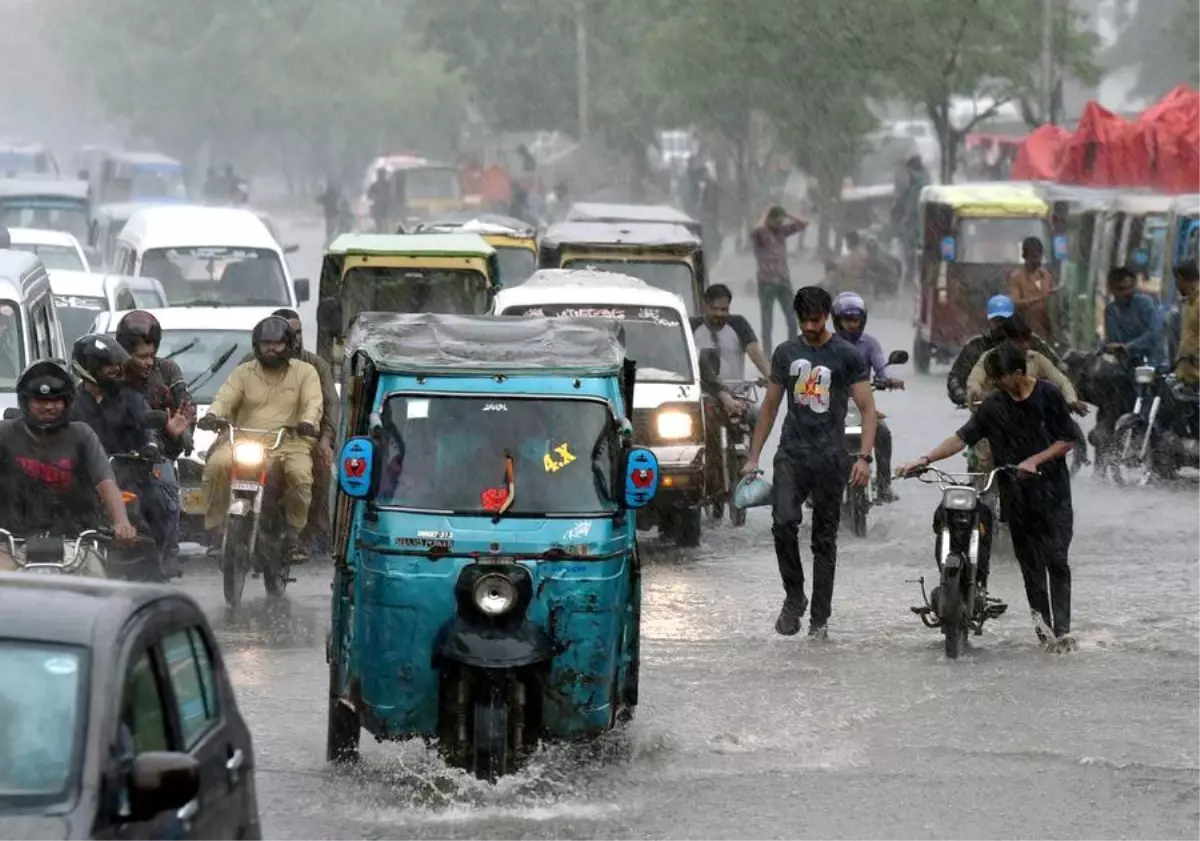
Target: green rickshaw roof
486,345
425,245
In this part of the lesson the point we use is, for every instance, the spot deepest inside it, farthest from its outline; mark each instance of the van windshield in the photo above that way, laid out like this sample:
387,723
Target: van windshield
448,454
673,277
390,289
12,357
653,336
218,276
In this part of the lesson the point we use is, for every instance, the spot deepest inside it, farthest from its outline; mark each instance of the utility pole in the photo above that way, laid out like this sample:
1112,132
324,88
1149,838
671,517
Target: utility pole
1048,60
581,69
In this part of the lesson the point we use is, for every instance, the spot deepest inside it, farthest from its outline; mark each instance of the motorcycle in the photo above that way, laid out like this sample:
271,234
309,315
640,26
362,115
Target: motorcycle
734,440
86,554
1162,433
254,527
963,526
134,473
857,502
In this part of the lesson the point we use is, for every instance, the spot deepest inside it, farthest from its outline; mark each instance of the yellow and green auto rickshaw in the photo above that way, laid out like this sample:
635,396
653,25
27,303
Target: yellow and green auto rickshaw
515,241
972,243
666,256
401,273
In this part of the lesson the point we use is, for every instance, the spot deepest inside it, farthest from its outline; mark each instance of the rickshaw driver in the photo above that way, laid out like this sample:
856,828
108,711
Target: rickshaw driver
999,309
271,392
1030,286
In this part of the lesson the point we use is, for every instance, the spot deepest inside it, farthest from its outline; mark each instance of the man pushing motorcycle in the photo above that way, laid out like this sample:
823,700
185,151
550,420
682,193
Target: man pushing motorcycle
272,392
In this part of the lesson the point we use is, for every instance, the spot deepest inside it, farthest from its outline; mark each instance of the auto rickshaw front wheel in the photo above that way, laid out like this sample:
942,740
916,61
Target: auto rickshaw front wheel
490,754
687,524
342,734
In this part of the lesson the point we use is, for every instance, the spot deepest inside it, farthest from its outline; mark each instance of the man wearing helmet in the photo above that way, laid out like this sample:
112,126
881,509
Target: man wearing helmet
850,322
53,470
272,391
999,309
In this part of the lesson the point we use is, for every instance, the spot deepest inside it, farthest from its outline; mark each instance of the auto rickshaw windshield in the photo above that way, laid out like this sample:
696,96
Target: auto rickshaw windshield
446,453
997,240
516,264
388,289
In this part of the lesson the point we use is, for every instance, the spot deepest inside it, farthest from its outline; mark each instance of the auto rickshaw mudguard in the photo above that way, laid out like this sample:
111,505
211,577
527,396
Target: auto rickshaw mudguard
504,647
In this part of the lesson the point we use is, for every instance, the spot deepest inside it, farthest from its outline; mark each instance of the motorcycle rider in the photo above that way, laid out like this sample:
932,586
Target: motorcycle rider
999,309
1187,363
52,471
849,323
1029,424
118,417
316,532
270,392
162,384
379,194
819,373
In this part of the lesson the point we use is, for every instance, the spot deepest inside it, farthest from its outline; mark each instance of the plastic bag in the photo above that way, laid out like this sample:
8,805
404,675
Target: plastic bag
752,491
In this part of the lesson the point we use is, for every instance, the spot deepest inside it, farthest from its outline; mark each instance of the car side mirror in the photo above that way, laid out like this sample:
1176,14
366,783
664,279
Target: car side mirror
898,357
710,364
329,316
161,781
12,413
292,248
358,468
303,291
641,477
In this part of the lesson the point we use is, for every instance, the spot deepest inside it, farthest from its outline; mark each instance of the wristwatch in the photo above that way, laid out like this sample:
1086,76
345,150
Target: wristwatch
867,457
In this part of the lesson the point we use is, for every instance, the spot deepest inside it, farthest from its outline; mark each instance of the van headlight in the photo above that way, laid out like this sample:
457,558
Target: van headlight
959,499
674,425
494,594
249,454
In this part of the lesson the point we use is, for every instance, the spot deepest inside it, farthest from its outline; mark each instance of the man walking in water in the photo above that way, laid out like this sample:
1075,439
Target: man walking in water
819,373
774,278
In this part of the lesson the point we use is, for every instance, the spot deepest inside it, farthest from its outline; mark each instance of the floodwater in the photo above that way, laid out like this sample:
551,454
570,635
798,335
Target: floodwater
742,733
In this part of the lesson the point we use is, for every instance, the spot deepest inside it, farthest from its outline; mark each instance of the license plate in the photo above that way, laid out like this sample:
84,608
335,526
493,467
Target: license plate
192,500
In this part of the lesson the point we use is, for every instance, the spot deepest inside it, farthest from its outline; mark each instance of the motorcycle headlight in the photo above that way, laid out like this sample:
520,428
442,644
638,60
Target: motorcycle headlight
674,425
494,594
1144,374
959,499
249,454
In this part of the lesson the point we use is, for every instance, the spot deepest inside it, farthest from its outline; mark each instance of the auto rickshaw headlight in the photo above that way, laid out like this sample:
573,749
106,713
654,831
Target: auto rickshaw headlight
494,594
248,454
674,425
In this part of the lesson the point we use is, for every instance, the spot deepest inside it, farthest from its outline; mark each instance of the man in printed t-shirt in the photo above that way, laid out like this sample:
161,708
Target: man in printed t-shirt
819,373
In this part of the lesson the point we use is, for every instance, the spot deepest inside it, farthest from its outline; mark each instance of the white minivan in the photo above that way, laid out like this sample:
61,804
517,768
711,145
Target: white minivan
668,413
29,328
208,257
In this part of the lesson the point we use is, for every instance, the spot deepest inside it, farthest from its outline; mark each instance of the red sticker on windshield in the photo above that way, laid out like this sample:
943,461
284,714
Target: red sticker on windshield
493,499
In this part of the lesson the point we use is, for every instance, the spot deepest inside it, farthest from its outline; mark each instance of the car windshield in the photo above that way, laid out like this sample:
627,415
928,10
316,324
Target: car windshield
218,276
516,264
196,351
12,355
449,454
47,215
76,314
43,710
387,289
995,241
673,277
53,256
654,337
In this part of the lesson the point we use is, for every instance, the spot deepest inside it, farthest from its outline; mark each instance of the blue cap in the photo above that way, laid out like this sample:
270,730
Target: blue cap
1000,306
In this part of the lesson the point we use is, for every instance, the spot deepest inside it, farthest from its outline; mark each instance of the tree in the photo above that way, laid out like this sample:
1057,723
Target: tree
1159,38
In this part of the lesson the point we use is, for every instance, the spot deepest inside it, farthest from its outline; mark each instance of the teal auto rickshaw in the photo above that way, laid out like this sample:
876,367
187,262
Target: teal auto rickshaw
486,590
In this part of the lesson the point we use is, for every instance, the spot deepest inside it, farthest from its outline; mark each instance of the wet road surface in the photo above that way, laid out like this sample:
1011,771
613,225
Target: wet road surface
743,733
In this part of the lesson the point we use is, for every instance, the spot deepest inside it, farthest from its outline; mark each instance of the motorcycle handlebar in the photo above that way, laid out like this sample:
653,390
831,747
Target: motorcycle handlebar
944,479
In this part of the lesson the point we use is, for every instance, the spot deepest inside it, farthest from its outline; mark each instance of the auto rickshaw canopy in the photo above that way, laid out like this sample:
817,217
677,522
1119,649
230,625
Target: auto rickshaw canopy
989,199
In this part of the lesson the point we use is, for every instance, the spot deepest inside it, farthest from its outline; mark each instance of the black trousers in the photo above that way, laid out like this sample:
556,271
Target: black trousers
883,456
1041,535
770,294
820,476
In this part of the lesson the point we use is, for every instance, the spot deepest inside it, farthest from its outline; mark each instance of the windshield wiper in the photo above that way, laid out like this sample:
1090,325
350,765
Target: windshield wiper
180,350
209,372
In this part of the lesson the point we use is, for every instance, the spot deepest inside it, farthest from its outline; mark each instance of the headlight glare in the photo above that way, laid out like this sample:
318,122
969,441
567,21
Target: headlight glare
249,454
494,594
674,425
959,499
1144,374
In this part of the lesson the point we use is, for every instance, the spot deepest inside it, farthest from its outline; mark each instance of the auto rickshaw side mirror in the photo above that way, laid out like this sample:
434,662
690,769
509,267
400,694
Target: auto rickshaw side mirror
358,467
949,249
329,316
641,477
898,357
303,290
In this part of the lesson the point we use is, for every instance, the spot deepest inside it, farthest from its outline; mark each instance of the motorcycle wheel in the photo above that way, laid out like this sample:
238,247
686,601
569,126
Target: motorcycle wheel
276,581
235,565
490,757
954,625
856,511
687,527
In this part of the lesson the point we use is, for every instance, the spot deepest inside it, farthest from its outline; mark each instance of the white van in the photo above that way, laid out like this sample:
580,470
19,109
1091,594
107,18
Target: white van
80,297
56,249
29,328
208,256
668,413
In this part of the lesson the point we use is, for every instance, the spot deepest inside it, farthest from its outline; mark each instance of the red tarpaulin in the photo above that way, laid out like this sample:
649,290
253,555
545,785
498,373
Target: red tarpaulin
1171,129
1105,151
1040,154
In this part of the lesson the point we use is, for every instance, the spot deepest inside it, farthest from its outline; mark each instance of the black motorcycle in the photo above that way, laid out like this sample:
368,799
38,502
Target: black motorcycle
135,473
857,502
1162,433
734,441
963,528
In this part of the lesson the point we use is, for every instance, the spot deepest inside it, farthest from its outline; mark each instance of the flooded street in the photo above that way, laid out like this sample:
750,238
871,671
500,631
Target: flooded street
743,733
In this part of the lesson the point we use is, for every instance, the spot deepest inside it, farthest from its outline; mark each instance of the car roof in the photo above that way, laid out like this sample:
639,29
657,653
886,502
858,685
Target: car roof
152,158
67,609
206,318
619,233
42,236
586,286
81,284
68,187
196,226
451,244
16,264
